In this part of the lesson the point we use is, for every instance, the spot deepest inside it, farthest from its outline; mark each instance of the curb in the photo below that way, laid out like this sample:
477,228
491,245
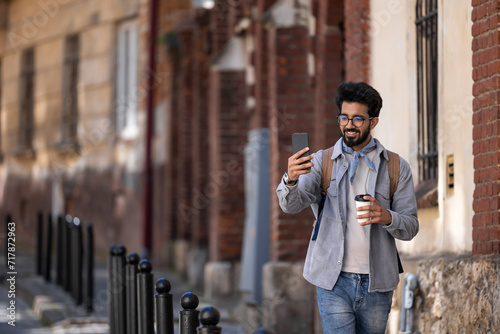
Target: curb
49,302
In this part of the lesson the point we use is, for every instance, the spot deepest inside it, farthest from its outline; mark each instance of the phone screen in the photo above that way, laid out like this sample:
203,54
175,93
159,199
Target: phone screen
300,141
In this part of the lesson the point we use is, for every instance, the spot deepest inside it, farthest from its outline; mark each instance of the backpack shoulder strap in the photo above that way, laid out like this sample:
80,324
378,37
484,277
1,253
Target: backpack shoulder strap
393,166
326,170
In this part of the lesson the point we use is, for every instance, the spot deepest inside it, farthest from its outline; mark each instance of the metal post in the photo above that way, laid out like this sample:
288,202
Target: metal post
164,308
188,317
39,238
48,249
131,292
145,298
77,253
60,251
67,253
89,280
209,318
117,289
111,289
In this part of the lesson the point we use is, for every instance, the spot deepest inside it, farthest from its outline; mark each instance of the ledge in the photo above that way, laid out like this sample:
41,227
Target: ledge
426,193
22,152
67,147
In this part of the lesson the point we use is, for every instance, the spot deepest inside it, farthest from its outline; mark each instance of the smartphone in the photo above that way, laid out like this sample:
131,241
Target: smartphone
300,141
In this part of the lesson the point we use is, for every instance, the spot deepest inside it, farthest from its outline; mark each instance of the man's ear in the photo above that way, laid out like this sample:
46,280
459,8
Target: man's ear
374,122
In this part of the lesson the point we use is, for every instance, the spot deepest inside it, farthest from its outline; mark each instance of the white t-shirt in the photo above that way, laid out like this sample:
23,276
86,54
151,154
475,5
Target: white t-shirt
357,237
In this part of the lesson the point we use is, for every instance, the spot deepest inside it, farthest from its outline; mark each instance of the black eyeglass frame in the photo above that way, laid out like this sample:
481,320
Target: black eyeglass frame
352,120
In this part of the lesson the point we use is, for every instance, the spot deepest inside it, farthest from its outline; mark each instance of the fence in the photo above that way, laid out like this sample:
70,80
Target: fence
134,307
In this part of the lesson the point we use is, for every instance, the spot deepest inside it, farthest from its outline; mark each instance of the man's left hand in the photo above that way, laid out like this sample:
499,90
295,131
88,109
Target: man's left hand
377,213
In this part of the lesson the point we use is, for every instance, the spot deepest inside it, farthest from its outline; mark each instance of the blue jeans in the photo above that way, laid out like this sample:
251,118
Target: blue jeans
350,308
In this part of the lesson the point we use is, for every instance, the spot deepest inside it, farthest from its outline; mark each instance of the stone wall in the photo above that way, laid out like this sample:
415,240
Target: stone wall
454,295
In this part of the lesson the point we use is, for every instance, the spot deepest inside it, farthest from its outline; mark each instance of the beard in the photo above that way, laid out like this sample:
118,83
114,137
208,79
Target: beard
355,142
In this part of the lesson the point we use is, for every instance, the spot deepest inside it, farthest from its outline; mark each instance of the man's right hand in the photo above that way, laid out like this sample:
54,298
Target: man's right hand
295,169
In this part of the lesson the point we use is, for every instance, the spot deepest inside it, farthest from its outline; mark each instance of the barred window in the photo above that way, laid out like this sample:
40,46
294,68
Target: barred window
427,76
26,101
69,120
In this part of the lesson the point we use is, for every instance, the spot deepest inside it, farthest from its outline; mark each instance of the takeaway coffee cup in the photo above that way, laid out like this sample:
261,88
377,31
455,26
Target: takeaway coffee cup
360,201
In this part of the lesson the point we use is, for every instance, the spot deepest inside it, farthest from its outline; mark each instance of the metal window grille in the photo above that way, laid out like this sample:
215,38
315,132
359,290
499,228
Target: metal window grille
69,120
427,75
26,100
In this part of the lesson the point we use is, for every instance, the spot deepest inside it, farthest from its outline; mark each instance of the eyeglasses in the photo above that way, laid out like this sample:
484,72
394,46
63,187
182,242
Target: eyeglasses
357,121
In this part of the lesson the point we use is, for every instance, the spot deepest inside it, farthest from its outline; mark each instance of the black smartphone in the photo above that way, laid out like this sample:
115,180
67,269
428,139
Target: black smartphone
300,141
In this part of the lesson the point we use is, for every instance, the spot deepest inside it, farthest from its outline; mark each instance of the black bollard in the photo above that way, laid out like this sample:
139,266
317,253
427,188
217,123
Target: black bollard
145,298
111,289
89,272
209,318
117,290
59,251
164,308
48,249
131,292
77,262
68,226
188,317
39,239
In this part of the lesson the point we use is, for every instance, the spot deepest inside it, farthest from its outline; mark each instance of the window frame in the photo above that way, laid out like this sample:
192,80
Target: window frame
26,121
426,24
127,79
69,108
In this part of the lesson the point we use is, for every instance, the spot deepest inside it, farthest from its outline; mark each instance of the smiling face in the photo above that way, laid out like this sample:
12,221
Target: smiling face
354,137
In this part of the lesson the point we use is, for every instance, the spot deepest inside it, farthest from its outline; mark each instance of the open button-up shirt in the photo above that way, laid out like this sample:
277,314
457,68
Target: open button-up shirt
324,257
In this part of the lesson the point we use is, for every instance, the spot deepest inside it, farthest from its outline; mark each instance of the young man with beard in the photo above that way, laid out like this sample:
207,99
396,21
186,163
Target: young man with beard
355,266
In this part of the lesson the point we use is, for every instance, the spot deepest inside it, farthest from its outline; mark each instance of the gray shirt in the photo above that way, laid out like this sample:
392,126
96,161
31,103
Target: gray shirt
324,257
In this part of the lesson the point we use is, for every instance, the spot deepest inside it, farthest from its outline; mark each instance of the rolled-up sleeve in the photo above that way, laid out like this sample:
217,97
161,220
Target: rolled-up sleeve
295,198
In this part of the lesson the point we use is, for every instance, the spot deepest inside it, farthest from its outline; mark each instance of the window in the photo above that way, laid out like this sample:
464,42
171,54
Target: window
126,106
1,155
26,103
427,75
69,116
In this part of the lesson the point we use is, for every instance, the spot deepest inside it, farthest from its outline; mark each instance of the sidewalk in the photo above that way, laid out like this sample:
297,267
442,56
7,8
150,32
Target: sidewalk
53,307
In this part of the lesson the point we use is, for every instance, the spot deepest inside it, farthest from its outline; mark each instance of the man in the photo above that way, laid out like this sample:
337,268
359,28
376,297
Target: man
355,266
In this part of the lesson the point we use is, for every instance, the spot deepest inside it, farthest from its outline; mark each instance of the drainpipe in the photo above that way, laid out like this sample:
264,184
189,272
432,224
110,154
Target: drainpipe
148,169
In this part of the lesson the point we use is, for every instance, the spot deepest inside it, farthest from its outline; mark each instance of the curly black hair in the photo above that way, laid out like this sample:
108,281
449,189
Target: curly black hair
359,92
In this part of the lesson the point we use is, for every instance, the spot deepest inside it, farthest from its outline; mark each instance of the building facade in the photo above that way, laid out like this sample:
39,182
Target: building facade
72,115
168,124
